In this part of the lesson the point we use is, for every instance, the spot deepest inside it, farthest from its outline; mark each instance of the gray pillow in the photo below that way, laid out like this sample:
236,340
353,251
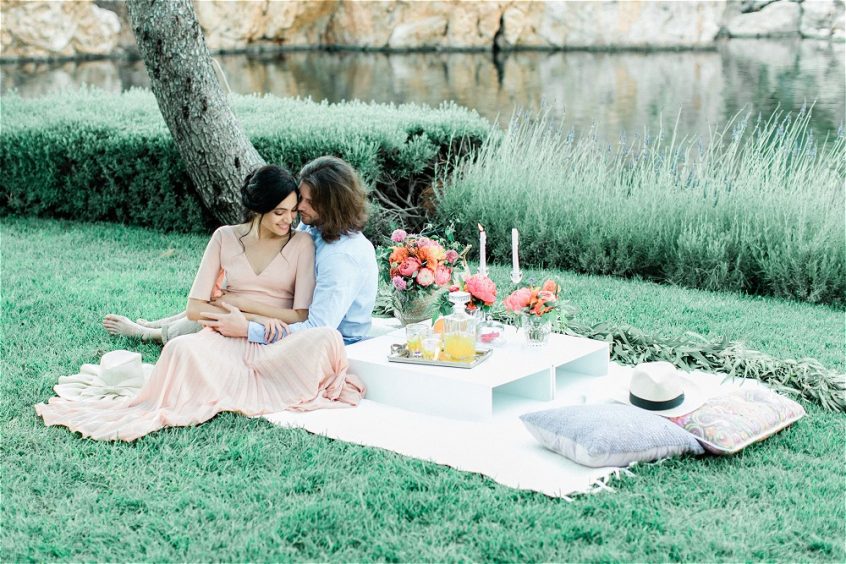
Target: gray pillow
608,434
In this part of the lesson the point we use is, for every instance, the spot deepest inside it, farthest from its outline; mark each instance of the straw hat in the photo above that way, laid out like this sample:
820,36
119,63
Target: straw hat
662,389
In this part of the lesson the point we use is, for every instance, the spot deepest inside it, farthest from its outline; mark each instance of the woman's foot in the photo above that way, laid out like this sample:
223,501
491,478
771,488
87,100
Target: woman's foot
120,325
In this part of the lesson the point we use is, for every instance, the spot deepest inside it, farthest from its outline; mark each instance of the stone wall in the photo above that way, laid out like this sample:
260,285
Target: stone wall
32,29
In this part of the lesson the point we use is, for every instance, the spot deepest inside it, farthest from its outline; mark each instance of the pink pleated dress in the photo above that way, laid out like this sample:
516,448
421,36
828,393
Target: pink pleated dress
203,374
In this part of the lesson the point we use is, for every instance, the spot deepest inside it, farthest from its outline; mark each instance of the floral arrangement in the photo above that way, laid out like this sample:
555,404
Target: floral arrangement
539,301
482,292
419,264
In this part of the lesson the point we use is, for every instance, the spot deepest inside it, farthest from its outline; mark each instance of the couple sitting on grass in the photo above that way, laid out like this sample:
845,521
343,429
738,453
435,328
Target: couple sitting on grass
273,338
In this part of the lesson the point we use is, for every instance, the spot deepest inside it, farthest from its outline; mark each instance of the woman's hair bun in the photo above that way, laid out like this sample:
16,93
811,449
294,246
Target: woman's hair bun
247,190
265,187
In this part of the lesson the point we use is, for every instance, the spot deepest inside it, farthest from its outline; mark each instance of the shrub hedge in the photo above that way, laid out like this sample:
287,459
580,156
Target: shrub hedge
95,156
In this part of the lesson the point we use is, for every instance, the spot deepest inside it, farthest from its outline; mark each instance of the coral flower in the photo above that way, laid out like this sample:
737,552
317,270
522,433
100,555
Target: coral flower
442,275
550,286
518,300
481,288
409,266
546,296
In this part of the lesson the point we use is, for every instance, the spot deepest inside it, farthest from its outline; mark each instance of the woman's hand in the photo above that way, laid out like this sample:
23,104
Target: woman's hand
231,299
230,324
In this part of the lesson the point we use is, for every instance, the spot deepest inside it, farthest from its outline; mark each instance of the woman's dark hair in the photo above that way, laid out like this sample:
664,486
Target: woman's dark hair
264,188
337,196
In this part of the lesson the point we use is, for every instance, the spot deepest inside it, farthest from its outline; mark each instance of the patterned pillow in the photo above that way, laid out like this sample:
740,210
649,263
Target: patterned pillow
608,435
729,423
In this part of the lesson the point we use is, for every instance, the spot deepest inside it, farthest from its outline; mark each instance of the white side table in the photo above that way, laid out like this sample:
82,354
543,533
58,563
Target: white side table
514,369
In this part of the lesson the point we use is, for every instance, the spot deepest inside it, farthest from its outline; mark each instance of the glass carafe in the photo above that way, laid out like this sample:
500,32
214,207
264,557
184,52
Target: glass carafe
459,330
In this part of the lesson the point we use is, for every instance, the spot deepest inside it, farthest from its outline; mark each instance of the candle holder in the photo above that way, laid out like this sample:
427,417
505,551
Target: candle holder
516,276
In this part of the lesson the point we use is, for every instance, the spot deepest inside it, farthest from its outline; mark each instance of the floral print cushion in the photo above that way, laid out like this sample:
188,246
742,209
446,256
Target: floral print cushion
728,424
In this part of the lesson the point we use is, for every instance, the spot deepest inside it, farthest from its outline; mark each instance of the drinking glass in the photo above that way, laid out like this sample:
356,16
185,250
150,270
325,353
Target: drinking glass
431,347
414,335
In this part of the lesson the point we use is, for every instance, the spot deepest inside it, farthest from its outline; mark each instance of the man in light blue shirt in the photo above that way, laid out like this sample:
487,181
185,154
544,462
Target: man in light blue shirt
333,210
345,292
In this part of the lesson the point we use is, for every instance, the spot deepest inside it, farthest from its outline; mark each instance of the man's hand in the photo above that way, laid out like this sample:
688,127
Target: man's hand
274,330
232,324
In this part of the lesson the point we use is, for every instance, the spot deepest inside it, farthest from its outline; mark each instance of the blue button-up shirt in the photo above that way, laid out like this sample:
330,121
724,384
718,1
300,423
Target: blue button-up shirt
345,292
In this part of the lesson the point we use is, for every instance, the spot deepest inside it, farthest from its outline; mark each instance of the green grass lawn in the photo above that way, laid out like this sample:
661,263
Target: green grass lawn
237,489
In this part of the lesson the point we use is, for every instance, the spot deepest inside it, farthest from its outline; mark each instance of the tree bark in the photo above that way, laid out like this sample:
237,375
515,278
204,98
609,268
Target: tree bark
212,142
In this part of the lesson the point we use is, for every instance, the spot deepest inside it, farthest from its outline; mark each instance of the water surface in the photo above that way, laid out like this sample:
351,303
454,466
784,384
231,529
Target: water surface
621,91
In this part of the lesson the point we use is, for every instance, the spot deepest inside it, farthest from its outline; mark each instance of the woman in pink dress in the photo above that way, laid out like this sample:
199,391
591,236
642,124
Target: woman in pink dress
269,272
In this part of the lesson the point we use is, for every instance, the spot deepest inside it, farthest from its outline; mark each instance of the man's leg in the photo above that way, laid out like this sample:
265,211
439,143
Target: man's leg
121,325
159,323
183,326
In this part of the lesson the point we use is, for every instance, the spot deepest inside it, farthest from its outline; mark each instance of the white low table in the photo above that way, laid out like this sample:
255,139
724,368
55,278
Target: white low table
514,370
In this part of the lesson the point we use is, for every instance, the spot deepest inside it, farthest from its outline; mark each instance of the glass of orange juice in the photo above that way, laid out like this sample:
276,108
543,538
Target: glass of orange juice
431,347
414,335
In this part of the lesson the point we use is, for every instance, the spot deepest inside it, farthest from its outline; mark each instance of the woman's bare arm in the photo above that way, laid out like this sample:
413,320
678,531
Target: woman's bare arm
249,306
197,308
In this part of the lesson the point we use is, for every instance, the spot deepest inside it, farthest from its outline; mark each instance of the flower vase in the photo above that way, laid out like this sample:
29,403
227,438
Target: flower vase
536,330
415,308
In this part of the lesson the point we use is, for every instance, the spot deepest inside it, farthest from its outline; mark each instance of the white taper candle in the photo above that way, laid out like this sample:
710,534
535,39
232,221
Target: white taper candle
515,261
483,239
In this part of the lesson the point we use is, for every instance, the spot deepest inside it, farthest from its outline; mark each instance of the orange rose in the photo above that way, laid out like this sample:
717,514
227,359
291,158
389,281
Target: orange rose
431,255
398,255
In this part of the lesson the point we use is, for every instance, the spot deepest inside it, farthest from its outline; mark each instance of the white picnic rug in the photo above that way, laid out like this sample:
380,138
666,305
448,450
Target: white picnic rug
500,448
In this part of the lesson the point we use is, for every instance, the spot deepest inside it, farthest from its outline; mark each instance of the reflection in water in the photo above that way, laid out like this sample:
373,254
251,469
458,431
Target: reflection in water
615,91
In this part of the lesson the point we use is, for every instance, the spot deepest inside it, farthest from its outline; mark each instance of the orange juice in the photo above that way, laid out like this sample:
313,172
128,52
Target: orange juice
414,344
460,348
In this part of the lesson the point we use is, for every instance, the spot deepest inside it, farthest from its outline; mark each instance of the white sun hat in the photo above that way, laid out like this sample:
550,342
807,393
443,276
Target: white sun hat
120,374
662,389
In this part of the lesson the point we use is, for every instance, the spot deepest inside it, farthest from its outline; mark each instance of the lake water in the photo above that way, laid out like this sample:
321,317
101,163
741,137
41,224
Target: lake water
616,92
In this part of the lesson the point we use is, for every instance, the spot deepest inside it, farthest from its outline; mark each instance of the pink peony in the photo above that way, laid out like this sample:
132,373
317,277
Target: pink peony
399,283
546,296
425,277
409,266
442,276
481,288
518,300
451,255
398,236
424,242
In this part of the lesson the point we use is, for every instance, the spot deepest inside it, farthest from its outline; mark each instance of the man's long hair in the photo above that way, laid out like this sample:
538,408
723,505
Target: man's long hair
337,196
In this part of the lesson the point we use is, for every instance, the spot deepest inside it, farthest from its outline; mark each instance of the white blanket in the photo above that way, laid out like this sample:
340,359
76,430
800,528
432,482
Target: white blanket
500,448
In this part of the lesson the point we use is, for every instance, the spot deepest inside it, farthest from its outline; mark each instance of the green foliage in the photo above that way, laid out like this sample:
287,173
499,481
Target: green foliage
757,209
90,155
241,489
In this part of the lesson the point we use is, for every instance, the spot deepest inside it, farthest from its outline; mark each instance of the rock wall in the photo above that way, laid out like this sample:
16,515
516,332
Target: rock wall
50,29
32,29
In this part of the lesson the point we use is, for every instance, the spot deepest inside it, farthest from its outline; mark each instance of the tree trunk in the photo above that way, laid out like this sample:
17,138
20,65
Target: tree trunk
211,140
